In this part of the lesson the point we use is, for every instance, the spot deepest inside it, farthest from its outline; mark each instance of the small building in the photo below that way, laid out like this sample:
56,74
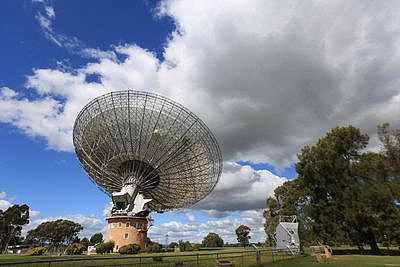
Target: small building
287,234
18,249
124,230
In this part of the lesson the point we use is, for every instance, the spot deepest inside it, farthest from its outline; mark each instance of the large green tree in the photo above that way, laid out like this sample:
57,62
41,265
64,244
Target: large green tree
343,194
57,234
213,240
11,222
242,233
371,211
325,172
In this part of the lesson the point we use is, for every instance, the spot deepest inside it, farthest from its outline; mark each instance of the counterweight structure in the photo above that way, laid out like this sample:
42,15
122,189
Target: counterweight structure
147,152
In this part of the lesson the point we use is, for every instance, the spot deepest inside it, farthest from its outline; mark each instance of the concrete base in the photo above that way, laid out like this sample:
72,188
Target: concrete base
124,230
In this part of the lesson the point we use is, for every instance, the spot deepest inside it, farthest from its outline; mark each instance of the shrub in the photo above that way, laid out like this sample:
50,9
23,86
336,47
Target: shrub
36,251
196,246
105,247
153,248
129,249
75,249
185,246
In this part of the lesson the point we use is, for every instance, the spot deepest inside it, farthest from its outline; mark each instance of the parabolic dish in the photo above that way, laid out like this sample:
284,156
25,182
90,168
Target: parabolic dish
150,141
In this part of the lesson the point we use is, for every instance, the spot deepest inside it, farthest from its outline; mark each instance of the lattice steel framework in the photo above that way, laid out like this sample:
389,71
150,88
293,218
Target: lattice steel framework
151,141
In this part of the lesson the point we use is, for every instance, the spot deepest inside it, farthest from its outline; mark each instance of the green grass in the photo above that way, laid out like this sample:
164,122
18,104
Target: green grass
248,260
194,258
341,260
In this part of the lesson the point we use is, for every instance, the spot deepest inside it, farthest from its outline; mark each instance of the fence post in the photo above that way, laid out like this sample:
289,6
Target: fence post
242,258
49,263
197,258
272,252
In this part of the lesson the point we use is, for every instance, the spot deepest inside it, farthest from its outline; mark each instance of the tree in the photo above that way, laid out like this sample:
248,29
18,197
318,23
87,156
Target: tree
57,234
327,178
85,242
185,246
106,247
173,245
75,249
96,238
289,199
153,247
213,240
11,222
351,195
242,233
390,141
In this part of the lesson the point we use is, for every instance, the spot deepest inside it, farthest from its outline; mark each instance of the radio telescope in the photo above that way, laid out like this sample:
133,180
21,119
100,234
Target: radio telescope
148,153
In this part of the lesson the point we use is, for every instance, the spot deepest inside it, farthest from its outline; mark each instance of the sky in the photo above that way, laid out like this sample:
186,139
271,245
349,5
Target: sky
267,77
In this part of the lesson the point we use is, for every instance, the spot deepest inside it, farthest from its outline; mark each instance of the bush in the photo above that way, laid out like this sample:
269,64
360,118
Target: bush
153,248
186,246
196,246
105,247
129,249
85,242
75,249
36,251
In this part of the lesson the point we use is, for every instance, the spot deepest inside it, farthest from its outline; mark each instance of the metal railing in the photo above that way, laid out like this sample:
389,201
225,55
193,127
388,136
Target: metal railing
242,258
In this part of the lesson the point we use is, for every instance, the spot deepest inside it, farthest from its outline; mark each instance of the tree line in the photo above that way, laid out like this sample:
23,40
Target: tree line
343,194
62,236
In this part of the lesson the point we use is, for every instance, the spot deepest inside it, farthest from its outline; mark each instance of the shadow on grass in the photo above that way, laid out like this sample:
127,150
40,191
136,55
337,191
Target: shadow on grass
390,252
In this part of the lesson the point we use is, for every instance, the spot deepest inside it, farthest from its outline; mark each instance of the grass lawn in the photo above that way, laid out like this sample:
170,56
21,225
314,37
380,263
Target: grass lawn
248,260
342,261
193,258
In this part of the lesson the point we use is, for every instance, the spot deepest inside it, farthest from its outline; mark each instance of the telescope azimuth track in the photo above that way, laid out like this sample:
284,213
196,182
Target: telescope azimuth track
149,144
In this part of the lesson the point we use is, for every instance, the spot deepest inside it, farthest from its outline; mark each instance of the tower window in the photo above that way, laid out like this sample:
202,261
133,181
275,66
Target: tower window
126,235
119,225
127,225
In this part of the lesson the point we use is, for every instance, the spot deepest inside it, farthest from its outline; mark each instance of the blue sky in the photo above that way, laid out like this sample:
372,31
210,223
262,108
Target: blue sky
267,77
50,180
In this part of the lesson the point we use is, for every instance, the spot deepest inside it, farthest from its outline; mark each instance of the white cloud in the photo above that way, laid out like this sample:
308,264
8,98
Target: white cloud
4,204
3,195
267,77
34,213
240,188
225,228
50,11
7,93
107,209
190,217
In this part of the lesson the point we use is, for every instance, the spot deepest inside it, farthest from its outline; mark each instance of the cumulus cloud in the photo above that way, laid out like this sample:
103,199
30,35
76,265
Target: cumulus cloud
34,213
268,77
190,217
4,204
240,188
225,228
4,201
